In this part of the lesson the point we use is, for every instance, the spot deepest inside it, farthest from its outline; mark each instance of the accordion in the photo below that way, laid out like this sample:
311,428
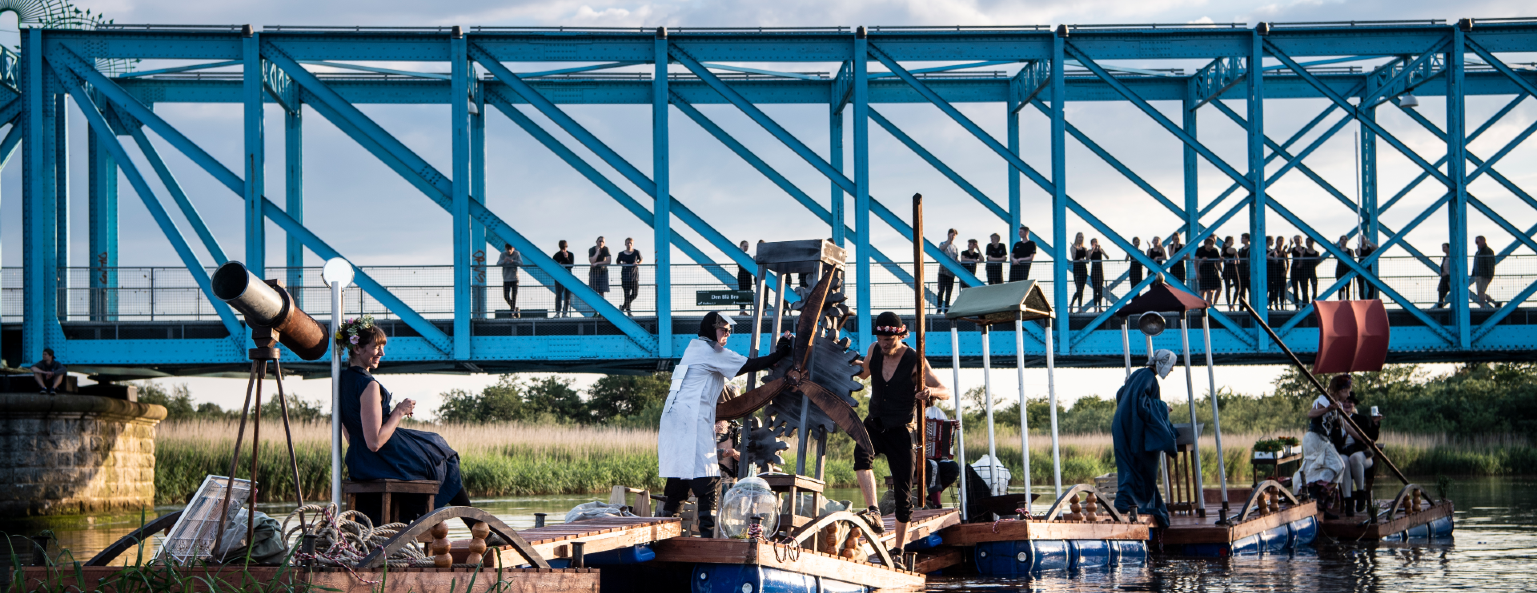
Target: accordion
940,437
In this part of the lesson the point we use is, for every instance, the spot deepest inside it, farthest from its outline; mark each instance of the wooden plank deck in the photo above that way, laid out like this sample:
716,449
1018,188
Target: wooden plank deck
803,561
1190,529
597,535
1353,529
971,534
198,579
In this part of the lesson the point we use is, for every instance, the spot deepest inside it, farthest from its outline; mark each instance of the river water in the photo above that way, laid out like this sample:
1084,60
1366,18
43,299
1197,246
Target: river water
1494,549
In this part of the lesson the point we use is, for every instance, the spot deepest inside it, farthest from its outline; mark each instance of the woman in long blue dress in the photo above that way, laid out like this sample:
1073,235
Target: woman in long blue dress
378,448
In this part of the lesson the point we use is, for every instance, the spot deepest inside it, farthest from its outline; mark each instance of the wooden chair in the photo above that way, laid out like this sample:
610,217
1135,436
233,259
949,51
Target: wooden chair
391,501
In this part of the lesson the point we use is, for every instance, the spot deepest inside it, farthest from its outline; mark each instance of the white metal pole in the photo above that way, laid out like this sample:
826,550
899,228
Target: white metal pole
1195,440
1051,391
1216,422
960,422
987,392
1163,460
1024,423
336,396
1126,344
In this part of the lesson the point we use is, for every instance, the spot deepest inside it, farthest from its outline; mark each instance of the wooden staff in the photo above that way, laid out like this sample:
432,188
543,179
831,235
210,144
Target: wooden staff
1314,380
920,469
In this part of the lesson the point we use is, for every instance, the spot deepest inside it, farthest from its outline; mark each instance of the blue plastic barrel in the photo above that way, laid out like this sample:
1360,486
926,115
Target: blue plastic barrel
1127,552
1088,553
632,555
1303,531
1275,540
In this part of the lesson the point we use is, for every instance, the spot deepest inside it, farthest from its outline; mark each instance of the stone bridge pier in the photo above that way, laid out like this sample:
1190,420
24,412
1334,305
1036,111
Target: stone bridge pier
70,454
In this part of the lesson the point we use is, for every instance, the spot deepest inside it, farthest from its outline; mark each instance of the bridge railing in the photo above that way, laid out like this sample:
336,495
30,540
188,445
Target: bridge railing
171,294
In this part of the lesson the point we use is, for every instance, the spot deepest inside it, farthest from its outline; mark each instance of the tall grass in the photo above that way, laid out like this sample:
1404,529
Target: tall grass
521,459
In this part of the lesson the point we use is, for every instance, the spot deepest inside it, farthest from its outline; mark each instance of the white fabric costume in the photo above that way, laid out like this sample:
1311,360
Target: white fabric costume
685,445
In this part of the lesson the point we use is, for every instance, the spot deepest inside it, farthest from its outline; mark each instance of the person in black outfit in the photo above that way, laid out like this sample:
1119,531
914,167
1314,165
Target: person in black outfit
1178,267
1275,253
1134,267
1155,252
1242,294
1341,268
1364,287
1229,271
744,277
1483,273
1209,258
1444,288
996,253
1313,259
1021,256
629,273
947,278
1097,273
567,260
1358,456
597,273
1299,269
1080,271
48,373
895,395
971,256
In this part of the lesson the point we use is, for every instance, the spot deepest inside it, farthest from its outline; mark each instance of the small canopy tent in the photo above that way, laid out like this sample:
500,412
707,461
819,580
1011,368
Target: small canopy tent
1014,302
1162,299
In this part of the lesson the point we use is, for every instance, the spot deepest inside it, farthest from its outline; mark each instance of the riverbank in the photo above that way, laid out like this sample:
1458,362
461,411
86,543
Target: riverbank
501,460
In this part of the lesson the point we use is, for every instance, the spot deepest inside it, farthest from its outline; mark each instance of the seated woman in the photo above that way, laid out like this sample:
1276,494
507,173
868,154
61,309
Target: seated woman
1322,467
1357,456
377,447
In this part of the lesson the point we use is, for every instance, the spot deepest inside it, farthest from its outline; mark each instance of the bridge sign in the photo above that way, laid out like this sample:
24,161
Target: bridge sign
723,297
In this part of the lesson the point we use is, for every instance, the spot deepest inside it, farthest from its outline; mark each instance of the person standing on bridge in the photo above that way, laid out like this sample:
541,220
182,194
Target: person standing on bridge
1021,256
971,256
1141,430
1208,259
1134,270
1097,274
946,277
567,260
48,373
598,259
1242,291
1483,273
1080,255
996,253
894,397
629,262
685,444
1341,269
509,261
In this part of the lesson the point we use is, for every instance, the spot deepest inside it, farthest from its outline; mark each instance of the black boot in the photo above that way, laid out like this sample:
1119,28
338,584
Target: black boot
1350,506
1362,501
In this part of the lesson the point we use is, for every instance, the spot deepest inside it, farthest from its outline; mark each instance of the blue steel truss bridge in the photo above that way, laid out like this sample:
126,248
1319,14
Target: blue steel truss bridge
121,321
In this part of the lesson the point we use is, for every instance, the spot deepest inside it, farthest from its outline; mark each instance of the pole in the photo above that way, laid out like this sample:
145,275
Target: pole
1195,434
1024,423
1320,387
336,396
1163,461
987,392
920,337
1216,421
960,423
1051,390
1126,344
757,325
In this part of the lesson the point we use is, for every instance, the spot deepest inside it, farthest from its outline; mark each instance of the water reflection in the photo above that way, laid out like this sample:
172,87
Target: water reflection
1493,550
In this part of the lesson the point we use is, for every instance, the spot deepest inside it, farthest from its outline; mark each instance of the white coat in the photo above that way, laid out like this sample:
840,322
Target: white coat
685,443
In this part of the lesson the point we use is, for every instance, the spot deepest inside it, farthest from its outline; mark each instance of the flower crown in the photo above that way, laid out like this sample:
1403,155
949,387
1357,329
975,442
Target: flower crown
348,334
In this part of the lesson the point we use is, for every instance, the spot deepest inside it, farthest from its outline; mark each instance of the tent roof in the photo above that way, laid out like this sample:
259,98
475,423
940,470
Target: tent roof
997,303
1162,297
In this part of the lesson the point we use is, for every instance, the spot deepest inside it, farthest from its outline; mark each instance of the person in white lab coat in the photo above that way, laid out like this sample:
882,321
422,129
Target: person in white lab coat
685,443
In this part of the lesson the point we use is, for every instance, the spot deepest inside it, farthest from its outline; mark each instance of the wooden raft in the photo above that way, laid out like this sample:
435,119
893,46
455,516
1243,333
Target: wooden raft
597,535
1191,529
1355,528
695,550
402,580
972,534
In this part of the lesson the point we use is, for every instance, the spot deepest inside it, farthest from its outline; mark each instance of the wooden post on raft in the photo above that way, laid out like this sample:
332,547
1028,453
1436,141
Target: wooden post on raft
1314,380
921,467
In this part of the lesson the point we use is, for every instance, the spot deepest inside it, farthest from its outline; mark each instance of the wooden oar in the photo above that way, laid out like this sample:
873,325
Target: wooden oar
1314,380
920,473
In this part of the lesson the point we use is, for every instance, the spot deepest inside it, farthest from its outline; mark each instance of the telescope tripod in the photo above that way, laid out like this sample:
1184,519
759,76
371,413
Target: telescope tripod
266,351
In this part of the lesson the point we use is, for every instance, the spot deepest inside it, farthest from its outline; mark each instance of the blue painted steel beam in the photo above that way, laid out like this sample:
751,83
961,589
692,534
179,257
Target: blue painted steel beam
102,184
62,234
437,186
1259,201
293,196
609,156
39,273
940,166
235,184
188,210
836,199
1120,167
255,158
481,252
1060,202
859,71
1457,187
661,173
175,69
459,193
108,140
576,162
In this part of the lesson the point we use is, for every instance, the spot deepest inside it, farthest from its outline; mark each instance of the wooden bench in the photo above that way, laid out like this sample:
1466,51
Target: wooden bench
391,501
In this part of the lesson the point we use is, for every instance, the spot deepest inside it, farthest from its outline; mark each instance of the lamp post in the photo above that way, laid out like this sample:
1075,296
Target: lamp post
337,273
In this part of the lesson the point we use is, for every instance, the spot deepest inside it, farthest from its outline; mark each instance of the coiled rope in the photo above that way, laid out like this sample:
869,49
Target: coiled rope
344,539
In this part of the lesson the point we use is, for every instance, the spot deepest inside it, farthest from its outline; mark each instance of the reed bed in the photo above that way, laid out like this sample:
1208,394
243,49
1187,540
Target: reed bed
521,459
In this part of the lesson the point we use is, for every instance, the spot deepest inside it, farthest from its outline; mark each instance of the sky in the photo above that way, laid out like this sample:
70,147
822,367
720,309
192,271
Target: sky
372,215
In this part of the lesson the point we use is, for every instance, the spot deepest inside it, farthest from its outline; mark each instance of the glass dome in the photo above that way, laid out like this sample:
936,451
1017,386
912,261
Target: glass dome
750,497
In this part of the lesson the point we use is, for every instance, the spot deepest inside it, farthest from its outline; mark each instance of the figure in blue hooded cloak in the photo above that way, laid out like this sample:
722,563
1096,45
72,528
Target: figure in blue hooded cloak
1141,430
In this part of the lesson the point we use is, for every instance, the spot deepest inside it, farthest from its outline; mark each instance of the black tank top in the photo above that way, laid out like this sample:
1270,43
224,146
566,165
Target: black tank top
892,401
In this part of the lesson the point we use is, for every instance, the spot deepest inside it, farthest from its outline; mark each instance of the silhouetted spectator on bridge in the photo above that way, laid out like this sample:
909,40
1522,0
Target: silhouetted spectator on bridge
567,260
1364,285
997,252
1177,268
971,256
1299,269
1229,270
1483,273
1021,256
598,258
1080,271
946,278
1314,258
1097,273
509,262
629,262
1242,293
48,373
1156,253
1445,286
1208,258
1341,269
1275,280
1134,267
744,277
